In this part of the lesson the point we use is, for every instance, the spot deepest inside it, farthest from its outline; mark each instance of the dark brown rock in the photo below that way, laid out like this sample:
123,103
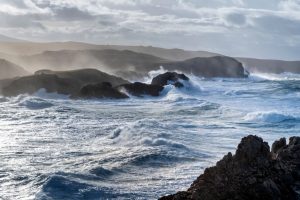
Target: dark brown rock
140,89
278,144
252,173
169,78
101,90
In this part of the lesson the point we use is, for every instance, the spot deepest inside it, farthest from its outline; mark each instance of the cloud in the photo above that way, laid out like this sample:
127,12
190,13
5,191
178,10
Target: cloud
230,27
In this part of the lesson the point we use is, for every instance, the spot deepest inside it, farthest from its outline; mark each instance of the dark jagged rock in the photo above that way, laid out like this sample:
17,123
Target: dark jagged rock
141,89
279,144
254,172
101,90
169,78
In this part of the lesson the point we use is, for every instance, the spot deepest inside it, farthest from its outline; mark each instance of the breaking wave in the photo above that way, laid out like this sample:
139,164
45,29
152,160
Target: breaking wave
269,117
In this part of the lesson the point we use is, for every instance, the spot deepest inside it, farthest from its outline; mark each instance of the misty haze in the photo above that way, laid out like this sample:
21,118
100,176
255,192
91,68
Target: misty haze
149,99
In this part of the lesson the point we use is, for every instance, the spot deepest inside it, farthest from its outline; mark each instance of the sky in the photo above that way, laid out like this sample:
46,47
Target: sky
251,28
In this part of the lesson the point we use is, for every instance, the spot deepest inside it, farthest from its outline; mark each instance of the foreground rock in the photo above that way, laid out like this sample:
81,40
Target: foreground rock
169,78
254,172
140,89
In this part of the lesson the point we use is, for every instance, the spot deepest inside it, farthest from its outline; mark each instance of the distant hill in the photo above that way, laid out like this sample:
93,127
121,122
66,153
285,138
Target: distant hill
10,70
131,65
127,61
270,66
30,48
110,61
218,66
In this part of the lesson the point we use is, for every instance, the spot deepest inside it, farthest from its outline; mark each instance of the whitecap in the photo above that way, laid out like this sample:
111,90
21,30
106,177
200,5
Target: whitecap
268,117
286,76
162,142
42,93
34,103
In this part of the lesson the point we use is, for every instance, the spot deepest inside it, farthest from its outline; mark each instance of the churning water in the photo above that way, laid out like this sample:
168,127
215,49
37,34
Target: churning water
141,148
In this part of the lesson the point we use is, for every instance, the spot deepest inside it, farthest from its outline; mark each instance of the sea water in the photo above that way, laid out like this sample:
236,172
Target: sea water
52,147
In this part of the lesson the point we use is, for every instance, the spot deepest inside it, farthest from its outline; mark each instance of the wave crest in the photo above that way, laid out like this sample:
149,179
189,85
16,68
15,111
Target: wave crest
268,117
34,103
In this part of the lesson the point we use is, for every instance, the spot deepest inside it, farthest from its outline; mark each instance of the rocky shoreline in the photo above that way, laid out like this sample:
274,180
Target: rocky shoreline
254,172
89,83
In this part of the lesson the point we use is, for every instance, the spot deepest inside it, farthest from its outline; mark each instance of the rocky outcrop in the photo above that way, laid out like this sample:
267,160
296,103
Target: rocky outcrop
169,78
88,83
101,90
87,76
254,172
140,89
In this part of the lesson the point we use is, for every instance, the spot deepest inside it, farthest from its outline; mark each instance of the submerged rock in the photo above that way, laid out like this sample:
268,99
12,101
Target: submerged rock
254,172
101,90
141,89
169,78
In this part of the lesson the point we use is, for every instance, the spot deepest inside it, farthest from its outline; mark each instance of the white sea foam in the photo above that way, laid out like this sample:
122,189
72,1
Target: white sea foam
268,117
275,77
35,103
42,93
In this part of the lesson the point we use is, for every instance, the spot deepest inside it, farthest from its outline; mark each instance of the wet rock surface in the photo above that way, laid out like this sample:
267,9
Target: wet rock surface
169,78
140,89
101,90
254,172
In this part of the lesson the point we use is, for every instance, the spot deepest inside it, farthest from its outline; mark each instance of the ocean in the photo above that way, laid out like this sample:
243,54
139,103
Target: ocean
52,147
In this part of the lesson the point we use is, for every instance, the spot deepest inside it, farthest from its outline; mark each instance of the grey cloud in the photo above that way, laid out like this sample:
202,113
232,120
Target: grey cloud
69,14
237,19
234,27
278,25
25,21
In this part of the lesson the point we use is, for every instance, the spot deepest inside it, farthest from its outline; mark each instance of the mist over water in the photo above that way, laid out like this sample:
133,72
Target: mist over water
141,148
